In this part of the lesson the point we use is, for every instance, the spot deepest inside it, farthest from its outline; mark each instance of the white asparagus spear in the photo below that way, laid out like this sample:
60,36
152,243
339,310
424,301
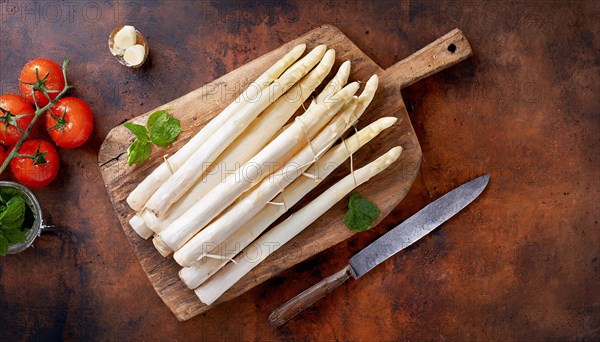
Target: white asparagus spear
272,240
197,274
186,226
193,168
139,226
138,197
367,95
255,137
244,209
337,82
161,247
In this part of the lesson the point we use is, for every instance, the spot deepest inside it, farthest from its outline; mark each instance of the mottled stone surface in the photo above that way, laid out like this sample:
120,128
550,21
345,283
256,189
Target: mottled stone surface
520,263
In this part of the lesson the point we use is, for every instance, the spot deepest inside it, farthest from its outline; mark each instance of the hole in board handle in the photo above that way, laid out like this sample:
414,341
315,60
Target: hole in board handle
452,48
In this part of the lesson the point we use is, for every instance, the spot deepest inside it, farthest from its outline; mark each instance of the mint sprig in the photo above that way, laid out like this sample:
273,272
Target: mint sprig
361,213
161,130
12,217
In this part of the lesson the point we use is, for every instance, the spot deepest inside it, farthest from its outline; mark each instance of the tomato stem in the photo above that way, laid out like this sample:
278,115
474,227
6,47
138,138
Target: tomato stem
61,122
38,112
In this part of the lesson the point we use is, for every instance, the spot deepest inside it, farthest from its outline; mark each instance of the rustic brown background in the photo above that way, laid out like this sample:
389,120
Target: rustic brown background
520,263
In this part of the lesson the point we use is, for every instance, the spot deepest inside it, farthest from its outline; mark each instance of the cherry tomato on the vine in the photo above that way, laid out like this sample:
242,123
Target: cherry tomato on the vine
15,115
36,165
70,122
50,74
3,154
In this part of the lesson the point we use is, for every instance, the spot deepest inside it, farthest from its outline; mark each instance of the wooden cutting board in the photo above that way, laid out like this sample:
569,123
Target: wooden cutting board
196,108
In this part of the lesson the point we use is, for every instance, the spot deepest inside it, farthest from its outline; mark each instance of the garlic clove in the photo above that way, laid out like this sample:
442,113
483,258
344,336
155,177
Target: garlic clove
125,38
116,51
134,55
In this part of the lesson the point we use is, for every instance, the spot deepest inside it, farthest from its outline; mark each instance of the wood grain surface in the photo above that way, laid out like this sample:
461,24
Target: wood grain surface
196,108
521,263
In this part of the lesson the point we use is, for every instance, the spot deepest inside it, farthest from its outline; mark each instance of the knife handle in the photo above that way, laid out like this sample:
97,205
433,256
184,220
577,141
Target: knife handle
305,299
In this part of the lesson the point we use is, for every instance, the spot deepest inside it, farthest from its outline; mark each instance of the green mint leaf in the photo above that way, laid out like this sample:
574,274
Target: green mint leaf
14,214
155,117
3,245
7,193
361,213
138,151
138,130
163,129
14,236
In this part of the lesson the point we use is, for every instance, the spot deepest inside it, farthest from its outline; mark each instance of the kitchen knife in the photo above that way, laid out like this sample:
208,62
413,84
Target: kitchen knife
400,237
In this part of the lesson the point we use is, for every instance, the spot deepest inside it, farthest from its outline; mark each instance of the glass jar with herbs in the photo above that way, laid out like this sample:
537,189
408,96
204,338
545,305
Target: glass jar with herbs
20,218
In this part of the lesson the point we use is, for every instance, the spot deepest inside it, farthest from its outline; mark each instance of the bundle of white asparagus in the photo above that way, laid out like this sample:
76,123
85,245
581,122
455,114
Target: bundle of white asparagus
215,198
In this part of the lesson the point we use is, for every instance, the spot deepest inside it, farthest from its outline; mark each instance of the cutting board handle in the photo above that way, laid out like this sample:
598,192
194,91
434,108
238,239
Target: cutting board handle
437,56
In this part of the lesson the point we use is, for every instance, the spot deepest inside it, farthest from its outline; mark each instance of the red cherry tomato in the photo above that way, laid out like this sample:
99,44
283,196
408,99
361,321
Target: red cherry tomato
21,114
39,165
70,122
54,82
3,155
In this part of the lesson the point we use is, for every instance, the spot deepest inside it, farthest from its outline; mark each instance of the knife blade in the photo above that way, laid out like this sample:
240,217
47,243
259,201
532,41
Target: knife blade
392,242
416,226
